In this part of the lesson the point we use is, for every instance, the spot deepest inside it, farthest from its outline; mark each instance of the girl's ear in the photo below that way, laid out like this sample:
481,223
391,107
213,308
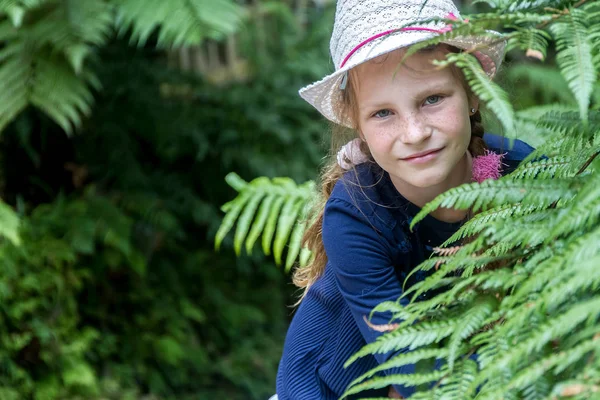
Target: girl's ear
473,105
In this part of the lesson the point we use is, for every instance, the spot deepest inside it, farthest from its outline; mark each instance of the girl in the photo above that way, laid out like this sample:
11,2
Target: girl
418,134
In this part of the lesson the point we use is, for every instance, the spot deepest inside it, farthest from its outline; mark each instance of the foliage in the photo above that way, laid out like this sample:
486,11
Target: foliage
520,293
46,44
516,311
274,208
114,290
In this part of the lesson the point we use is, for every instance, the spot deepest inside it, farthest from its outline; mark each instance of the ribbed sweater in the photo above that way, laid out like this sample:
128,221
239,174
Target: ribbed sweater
370,253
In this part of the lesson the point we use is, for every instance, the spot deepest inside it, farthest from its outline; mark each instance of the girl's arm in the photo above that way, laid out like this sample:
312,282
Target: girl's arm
360,250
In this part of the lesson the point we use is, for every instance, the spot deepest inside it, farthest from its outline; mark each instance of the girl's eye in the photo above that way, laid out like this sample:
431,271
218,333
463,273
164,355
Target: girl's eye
382,113
433,99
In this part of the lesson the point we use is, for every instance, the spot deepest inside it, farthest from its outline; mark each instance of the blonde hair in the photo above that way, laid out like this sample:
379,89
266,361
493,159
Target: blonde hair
348,110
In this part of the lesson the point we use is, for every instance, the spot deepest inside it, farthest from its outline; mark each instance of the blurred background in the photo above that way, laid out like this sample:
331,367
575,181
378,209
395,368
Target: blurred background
120,120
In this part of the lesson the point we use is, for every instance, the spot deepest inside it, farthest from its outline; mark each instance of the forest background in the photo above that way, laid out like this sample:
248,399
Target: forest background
114,149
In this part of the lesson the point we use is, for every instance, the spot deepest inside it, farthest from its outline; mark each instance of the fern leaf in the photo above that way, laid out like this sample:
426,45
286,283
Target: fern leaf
555,327
400,360
236,182
271,225
246,217
561,360
585,277
398,379
180,22
530,39
305,257
410,337
481,220
583,211
574,56
461,379
471,322
486,90
499,192
234,208
287,220
259,222
295,245
560,167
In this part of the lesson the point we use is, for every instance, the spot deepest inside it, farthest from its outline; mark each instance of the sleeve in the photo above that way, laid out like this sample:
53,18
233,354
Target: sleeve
513,154
361,259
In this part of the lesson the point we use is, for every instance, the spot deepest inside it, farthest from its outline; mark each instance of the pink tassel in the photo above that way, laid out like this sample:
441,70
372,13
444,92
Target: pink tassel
487,166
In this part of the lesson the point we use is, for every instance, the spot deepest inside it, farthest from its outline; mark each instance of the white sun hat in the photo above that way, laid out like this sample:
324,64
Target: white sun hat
366,29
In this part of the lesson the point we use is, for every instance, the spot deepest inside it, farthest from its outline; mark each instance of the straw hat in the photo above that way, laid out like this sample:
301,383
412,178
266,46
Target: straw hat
366,29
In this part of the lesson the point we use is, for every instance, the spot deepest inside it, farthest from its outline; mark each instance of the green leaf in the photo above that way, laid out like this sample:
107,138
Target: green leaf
295,245
259,222
471,321
233,208
287,219
179,22
271,225
574,56
9,224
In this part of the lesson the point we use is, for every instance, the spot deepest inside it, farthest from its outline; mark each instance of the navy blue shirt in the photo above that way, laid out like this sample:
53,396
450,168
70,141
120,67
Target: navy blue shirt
370,252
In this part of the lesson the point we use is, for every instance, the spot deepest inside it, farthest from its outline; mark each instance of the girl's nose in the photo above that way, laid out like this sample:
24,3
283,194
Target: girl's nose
416,130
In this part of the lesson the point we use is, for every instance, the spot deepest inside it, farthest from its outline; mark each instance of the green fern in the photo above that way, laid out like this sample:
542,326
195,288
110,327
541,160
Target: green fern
180,22
575,56
276,208
46,44
522,292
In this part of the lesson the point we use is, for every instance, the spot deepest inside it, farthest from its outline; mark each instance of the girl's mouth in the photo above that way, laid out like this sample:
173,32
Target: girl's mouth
423,157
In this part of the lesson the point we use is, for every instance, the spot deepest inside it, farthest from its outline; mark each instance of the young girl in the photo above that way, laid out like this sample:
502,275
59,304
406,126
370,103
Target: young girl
418,134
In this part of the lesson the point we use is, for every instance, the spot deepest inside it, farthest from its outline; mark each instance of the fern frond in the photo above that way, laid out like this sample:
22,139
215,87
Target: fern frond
486,90
460,380
537,390
409,337
529,39
481,220
271,207
472,321
397,379
16,9
259,222
75,28
46,81
492,193
180,22
285,223
555,327
401,360
583,211
560,167
570,123
574,56
558,361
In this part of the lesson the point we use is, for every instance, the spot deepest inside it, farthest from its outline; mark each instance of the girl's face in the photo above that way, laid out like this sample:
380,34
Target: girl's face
415,120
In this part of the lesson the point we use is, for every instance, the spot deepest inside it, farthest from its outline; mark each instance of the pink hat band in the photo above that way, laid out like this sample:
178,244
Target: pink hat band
448,28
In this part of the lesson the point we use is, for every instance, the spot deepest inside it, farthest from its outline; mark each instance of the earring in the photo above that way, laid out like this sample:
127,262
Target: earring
473,110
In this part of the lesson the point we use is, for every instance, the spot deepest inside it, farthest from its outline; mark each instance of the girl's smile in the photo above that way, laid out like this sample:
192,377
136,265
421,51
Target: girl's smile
423,156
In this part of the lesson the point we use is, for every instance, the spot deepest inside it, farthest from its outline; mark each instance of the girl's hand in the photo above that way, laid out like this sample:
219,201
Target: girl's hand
392,394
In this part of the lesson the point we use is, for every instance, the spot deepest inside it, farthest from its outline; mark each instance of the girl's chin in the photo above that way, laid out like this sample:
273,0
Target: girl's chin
422,180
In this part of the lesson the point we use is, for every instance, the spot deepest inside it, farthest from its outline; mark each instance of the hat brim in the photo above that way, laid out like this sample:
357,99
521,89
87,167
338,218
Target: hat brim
325,94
